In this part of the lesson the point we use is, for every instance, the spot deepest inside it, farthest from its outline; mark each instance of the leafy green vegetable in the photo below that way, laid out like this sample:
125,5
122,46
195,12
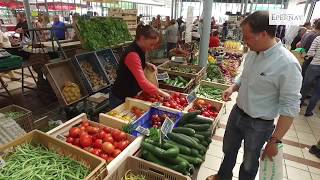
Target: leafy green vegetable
210,92
214,74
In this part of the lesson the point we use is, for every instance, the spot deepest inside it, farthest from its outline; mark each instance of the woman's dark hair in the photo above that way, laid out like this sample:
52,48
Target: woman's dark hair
259,22
147,31
307,24
215,33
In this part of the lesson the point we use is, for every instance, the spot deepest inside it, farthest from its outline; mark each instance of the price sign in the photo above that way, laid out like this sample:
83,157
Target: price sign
59,136
156,104
143,130
191,97
162,76
167,126
2,163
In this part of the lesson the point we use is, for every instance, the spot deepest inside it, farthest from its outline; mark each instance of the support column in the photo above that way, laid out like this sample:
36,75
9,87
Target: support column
28,15
312,5
245,6
205,35
241,7
46,7
306,6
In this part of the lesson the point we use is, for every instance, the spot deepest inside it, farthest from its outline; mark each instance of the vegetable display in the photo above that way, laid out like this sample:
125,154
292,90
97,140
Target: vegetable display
95,79
131,176
13,114
128,115
101,141
205,107
71,91
209,92
189,70
158,119
37,162
176,101
214,74
178,82
101,32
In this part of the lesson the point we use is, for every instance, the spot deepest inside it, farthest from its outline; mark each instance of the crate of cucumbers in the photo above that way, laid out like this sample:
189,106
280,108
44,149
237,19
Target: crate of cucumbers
177,83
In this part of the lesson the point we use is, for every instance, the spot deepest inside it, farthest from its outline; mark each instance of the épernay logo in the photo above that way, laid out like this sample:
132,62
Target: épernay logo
286,17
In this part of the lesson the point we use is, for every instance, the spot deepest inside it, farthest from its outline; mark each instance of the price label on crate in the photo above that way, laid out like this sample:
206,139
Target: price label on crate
167,126
2,162
156,104
191,97
61,137
162,76
143,130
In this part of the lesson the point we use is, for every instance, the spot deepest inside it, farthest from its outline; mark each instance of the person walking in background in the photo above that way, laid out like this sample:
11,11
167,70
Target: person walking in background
312,74
307,25
167,22
225,30
281,32
172,36
22,25
269,86
41,23
298,37
214,39
59,28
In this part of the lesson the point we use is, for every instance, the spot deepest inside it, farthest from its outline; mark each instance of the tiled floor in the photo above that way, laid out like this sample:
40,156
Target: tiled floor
298,163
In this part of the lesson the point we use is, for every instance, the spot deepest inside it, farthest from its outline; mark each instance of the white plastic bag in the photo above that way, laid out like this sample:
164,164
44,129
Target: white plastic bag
272,170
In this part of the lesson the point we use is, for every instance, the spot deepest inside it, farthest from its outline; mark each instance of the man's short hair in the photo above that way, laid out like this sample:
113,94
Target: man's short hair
259,22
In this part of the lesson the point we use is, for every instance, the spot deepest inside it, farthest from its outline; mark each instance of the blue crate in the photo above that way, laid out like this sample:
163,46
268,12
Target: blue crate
145,120
109,63
91,58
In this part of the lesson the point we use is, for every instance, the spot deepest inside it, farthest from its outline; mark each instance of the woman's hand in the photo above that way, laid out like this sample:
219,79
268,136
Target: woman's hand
164,94
151,66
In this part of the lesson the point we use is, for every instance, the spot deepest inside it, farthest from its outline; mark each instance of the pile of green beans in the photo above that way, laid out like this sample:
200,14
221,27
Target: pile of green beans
37,163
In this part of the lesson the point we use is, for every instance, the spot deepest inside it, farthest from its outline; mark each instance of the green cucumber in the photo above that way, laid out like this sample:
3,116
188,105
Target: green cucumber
192,160
205,143
184,130
195,152
188,116
198,127
207,134
200,137
200,120
182,79
180,138
183,149
209,140
172,152
196,139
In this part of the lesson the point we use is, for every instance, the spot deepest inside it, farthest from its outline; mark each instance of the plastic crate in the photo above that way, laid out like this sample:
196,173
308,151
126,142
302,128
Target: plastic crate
25,121
92,59
145,120
11,62
9,130
109,63
95,164
149,170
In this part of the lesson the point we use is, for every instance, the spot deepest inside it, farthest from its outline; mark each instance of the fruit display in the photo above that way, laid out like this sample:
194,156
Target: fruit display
128,115
176,101
211,59
71,92
30,161
101,32
182,69
232,45
178,82
229,67
233,56
205,107
104,142
209,92
184,148
158,119
95,79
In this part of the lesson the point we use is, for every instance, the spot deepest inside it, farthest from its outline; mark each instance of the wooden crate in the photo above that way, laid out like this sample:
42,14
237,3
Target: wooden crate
190,85
114,122
150,170
212,84
60,72
95,164
25,121
134,145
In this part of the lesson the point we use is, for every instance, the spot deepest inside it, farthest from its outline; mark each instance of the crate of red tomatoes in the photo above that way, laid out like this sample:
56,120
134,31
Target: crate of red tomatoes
113,145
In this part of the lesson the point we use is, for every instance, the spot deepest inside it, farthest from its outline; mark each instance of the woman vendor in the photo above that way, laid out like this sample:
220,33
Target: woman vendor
130,74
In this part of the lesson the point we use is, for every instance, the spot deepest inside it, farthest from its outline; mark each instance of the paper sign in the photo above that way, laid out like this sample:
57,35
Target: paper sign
143,130
163,76
2,163
191,97
156,104
167,126
286,17
61,137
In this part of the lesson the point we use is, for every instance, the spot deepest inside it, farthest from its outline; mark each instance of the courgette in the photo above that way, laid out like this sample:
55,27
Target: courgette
204,143
188,116
182,79
206,134
200,137
180,138
195,152
200,120
183,149
193,160
196,139
172,152
184,130
198,127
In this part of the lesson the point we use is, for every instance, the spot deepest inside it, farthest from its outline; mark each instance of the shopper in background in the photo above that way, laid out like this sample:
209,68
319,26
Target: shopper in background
214,39
167,22
306,42
196,21
269,86
225,30
157,24
281,32
312,74
41,23
59,28
307,25
172,36
130,74
298,37
22,25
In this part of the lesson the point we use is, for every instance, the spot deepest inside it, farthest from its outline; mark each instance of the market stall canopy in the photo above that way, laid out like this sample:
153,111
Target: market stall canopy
11,4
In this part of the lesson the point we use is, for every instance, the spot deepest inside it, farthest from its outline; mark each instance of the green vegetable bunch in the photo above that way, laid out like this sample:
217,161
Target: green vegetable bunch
210,92
214,73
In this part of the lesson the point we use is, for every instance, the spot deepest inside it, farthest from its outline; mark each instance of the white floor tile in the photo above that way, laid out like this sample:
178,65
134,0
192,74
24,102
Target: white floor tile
296,165
284,171
314,170
291,133
217,143
303,128
239,158
220,132
297,174
215,151
305,136
315,176
235,170
309,156
292,150
212,162
205,172
307,142
295,139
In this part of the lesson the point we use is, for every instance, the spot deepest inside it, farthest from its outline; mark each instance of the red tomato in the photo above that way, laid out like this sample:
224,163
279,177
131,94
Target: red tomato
206,114
116,134
183,100
123,136
82,128
110,159
76,142
108,139
98,143
101,134
85,123
85,140
107,129
167,104
123,144
92,130
74,132
175,94
96,151
108,147
104,156
201,102
116,152
70,140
